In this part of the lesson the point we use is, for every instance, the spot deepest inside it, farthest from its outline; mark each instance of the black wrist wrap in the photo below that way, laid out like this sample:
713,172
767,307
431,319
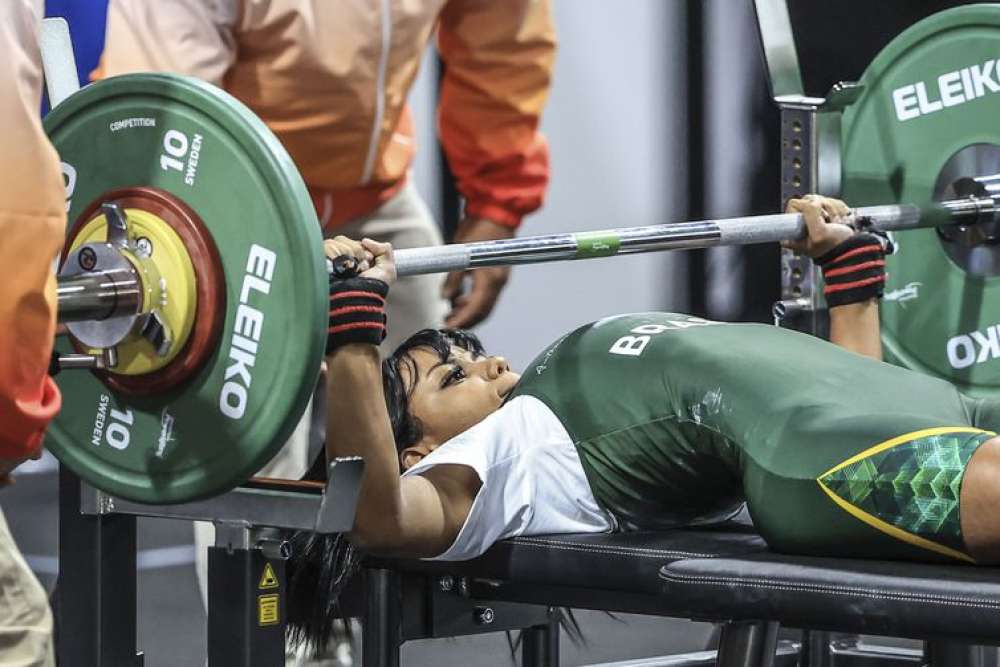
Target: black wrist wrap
854,271
357,312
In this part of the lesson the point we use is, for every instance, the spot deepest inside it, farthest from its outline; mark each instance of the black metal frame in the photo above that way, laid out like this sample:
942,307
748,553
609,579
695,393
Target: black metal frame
246,617
395,607
97,610
97,594
246,614
697,260
97,584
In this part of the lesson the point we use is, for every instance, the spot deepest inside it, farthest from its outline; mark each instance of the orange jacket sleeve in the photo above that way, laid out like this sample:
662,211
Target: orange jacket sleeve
32,226
191,37
498,58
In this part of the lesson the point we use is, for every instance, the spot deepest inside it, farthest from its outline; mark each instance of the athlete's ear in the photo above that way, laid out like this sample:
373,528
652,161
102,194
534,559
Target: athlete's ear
411,456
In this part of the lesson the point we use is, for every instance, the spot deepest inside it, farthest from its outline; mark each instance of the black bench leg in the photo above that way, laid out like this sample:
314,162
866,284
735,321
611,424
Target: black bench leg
816,649
381,625
954,654
540,645
747,644
97,584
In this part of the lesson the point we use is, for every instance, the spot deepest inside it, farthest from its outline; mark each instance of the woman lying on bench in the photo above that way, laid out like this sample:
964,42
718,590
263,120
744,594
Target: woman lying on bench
652,421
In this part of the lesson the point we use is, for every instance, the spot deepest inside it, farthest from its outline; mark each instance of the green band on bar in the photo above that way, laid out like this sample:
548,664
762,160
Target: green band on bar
596,244
934,213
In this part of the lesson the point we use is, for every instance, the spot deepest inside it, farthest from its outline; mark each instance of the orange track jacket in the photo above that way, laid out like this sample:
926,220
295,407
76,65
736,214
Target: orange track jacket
32,226
331,77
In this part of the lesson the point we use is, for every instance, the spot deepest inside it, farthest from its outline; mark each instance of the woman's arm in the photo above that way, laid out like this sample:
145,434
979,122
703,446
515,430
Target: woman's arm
416,516
853,326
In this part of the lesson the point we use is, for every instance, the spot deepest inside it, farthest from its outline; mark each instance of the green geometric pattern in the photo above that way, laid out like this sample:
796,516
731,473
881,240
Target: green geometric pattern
914,486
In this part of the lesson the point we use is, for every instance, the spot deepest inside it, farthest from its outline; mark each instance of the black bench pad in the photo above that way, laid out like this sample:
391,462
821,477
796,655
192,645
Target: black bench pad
728,574
615,562
875,597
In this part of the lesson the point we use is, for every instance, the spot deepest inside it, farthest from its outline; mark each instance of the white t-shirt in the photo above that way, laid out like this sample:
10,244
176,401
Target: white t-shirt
532,479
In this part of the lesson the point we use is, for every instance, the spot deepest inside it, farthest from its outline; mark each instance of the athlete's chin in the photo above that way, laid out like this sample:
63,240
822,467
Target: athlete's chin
508,384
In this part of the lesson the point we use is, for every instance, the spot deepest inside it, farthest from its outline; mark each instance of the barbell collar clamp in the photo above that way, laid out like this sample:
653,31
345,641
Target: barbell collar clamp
155,330
117,224
106,360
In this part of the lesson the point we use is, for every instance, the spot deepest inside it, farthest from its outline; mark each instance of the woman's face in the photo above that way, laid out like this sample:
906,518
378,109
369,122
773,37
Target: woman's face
453,395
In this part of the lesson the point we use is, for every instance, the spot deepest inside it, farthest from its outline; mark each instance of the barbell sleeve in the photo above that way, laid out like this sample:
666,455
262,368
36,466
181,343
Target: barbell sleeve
744,230
98,296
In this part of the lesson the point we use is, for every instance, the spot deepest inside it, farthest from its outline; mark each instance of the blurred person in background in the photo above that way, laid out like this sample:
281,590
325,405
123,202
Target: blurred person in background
331,79
32,226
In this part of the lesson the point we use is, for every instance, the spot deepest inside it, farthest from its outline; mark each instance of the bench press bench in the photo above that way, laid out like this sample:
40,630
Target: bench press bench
724,574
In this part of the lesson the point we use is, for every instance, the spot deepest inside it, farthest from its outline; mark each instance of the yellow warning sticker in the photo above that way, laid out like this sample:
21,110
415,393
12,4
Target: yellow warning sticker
268,578
267,609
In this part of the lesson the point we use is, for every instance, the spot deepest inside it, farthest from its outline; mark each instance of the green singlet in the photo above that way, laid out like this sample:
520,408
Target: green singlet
677,420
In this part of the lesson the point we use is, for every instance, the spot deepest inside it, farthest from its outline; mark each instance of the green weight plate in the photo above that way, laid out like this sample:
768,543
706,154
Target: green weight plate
931,110
205,148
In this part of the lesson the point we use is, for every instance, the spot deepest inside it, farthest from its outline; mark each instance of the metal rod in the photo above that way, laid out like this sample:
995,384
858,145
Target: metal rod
101,295
681,235
98,295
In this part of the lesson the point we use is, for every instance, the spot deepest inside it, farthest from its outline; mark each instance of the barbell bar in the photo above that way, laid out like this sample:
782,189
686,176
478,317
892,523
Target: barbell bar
115,293
744,230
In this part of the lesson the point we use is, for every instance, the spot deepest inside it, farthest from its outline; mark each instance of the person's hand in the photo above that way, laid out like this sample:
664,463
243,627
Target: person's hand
472,300
825,224
7,466
375,260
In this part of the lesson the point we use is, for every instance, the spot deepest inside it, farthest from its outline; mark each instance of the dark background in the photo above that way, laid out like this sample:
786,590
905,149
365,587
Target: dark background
835,41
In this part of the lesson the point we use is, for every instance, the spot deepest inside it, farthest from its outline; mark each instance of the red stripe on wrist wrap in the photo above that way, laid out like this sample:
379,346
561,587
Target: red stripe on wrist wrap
357,312
853,271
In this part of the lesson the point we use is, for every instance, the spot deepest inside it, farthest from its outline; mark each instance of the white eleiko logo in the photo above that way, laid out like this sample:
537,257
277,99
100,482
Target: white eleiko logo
962,351
953,88
248,326
908,292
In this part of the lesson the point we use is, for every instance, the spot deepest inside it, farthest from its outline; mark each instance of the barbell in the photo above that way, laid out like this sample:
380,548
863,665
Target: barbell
193,282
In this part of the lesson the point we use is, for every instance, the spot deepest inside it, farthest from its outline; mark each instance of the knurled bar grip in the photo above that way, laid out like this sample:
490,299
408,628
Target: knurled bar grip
700,234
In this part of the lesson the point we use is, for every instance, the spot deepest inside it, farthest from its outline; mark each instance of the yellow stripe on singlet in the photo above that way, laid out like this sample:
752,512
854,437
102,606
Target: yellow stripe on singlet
881,525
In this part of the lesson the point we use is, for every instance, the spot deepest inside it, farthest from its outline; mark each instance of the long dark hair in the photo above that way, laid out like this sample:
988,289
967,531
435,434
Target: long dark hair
322,565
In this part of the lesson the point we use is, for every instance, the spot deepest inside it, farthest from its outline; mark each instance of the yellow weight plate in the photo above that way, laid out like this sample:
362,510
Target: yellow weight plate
160,257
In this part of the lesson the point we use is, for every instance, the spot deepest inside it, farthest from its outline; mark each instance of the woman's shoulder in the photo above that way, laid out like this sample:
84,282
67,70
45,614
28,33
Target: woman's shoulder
517,427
